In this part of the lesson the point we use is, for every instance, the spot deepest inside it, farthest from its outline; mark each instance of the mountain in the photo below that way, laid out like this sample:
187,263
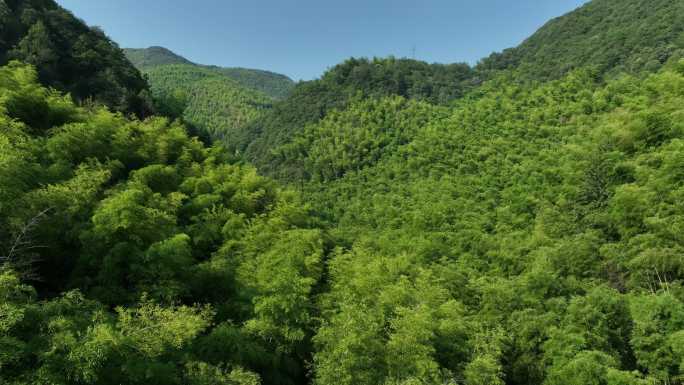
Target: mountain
144,58
131,233
272,84
521,232
70,56
354,79
613,36
218,102
429,224
514,238
215,105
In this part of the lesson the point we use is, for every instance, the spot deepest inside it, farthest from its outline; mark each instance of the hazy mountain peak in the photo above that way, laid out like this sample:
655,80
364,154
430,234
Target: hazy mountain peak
153,56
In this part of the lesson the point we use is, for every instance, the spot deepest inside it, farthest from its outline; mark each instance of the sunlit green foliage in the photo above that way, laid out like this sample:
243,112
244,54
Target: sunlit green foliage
535,225
355,138
434,231
103,213
528,234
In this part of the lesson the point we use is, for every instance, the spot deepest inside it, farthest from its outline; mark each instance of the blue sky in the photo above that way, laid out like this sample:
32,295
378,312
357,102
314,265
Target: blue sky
303,38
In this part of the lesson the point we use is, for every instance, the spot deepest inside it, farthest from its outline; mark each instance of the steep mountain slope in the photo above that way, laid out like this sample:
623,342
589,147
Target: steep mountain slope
610,35
69,55
272,84
216,106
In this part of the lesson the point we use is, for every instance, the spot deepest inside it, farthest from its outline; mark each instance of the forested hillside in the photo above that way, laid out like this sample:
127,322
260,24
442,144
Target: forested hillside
610,37
526,236
354,79
216,102
153,259
613,36
217,107
272,84
517,223
70,56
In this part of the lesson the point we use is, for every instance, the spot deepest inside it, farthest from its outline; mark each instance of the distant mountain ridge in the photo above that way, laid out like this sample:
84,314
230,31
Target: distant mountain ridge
270,83
214,104
144,58
216,101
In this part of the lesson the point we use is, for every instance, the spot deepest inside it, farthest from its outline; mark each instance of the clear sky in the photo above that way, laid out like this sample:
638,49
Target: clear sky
303,38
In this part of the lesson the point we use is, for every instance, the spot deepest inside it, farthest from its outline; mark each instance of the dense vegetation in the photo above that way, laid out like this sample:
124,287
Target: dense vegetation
272,84
216,102
352,80
436,225
153,258
216,106
610,35
527,236
70,56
